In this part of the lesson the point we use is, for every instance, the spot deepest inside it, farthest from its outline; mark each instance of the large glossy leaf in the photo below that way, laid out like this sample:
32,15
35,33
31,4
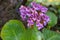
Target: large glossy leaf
12,30
32,35
53,18
50,35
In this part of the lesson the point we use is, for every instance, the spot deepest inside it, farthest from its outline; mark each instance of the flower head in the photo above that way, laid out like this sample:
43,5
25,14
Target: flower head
34,14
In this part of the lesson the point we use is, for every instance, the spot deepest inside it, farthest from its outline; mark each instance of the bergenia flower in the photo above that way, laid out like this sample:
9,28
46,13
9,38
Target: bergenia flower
39,7
34,14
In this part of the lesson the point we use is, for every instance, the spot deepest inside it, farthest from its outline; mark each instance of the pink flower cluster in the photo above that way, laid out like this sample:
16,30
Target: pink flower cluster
34,14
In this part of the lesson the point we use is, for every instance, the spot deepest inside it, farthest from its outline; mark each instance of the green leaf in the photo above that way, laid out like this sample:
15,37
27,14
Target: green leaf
29,0
53,19
50,35
32,35
49,2
59,9
12,30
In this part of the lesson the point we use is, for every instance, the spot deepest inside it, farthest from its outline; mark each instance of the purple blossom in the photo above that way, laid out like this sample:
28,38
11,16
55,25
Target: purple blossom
30,22
36,6
40,18
44,23
44,9
39,25
39,7
45,18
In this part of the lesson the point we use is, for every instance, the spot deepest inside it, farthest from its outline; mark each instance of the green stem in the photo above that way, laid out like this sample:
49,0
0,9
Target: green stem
48,27
35,28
